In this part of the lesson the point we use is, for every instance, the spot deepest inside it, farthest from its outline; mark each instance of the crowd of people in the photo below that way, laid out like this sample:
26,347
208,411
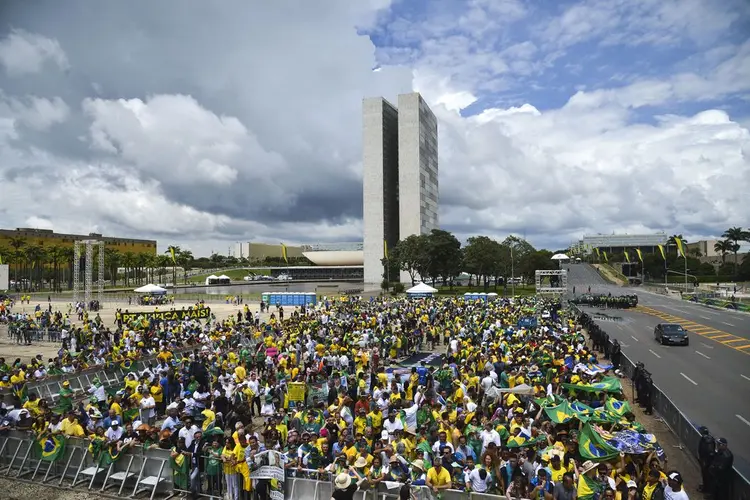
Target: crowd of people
338,390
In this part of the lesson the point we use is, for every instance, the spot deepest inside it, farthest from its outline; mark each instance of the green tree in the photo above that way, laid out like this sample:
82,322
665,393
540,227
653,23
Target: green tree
185,260
723,247
481,256
412,256
173,251
735,235
17,244
129,263
537,260
444,255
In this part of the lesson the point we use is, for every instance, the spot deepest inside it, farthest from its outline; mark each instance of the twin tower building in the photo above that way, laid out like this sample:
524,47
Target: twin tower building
400,187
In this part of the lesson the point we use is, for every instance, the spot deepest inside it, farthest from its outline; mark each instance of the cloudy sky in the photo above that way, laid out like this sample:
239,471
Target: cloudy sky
202,126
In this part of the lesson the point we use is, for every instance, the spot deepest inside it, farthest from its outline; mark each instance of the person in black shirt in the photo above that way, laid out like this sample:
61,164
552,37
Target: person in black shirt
706,452
344,487
721,470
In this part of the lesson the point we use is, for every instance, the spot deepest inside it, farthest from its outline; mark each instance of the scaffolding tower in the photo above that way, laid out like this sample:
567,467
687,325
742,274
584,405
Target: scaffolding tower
86,295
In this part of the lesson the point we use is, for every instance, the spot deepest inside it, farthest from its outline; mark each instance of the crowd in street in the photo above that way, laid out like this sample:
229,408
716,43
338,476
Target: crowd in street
341,390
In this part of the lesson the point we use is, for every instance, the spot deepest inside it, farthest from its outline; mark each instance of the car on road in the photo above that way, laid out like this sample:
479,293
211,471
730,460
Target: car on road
671,334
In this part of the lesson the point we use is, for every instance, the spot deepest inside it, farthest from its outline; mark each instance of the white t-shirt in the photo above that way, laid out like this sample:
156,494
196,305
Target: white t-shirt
675,495
477,483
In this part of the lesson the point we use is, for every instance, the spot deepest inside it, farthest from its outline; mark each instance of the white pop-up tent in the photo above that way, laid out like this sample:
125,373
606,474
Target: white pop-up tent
151,289
421,290
212,280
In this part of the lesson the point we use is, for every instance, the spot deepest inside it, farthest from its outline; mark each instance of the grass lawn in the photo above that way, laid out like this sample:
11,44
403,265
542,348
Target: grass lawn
521,290
234,274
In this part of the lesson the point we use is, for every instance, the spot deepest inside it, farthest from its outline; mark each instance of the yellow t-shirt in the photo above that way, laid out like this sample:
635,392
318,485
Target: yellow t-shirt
438,479
71,428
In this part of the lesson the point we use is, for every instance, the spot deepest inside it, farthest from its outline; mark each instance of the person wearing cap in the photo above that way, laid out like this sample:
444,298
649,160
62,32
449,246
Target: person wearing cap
721,470
674,489
706,452
344,487
115,432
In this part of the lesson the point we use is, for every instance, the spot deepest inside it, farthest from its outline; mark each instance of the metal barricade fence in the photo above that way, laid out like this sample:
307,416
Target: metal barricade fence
681,426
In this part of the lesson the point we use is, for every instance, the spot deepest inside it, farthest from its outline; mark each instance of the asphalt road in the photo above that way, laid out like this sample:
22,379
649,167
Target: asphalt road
709,380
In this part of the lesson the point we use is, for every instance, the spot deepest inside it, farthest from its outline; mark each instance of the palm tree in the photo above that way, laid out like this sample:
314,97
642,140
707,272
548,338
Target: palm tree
128,262
185,260
174,252
735,235
112,260
17,243
56,254
723,247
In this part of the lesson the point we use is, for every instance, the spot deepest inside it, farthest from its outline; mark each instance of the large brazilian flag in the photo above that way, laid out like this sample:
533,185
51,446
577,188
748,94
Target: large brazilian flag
50,447
592,446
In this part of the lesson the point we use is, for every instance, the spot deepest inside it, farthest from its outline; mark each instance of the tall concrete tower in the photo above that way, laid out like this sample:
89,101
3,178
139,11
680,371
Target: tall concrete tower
400,188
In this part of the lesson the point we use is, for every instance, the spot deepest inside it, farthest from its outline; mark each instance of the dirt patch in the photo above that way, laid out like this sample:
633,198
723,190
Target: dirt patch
610,275
14,489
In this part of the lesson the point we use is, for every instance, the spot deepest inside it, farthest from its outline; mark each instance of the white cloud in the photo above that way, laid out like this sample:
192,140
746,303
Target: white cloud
38,113
22,52
253,133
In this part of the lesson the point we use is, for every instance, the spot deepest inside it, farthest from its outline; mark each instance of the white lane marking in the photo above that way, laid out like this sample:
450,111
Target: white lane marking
745,377
625,345
652,352
728,324
706,345
692,381
633,337
701,354
743,419
705,317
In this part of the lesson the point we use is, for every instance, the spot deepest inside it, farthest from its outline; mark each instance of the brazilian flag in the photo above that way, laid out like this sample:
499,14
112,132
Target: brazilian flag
179,465
22,392
50,447
592,446
617,407
561,413
108,455
128,365
588,488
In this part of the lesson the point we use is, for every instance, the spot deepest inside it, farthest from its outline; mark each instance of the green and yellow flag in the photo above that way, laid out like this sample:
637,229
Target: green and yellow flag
592,446
618,407
561,413
606,259
680,246
50,447
640,255
283,253
1,260
385,249
174,258
588,488
597,252
663,253
627,257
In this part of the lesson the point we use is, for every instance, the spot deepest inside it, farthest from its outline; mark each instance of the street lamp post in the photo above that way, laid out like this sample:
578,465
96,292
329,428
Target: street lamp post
512,273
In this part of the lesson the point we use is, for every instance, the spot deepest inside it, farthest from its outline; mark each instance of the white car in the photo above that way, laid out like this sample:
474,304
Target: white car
284,277
249,277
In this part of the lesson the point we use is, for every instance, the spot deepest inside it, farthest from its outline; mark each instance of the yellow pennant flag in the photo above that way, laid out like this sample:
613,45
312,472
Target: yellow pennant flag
627,257
385,249
171,252
1,260
605,256
283,253
680,246
597,251
640,255
663,254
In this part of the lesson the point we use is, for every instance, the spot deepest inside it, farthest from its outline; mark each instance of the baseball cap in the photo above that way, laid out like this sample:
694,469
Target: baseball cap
722,440
675,476
632,484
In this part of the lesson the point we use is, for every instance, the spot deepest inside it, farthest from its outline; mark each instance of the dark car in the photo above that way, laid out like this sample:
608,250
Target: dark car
671,334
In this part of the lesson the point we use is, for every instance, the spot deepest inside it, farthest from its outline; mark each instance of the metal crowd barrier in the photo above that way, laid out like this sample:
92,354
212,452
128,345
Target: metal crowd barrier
684,429
137,470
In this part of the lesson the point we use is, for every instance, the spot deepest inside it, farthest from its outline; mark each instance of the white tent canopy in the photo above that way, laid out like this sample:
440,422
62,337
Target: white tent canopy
421,288
224,277
150,288
560,256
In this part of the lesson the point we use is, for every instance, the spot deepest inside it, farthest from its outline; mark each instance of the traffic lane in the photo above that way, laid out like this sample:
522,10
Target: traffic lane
727,365
724,318
706,398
